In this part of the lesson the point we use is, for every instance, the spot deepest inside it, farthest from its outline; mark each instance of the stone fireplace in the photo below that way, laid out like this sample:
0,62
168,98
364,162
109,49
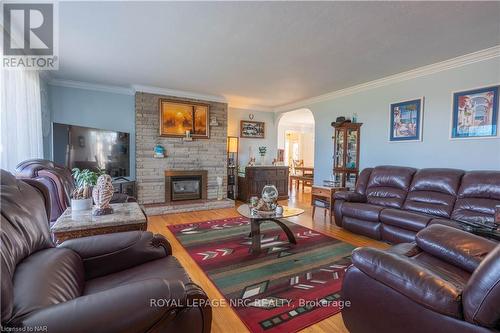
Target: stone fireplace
187,185
207,155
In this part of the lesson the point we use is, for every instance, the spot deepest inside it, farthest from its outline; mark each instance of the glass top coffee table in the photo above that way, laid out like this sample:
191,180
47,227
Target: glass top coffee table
257,219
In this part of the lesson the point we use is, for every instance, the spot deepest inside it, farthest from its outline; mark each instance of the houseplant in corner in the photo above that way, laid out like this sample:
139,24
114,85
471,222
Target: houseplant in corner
81,198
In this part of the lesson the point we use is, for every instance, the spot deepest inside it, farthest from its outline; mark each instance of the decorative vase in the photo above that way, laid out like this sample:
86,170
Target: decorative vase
219,189
270,194
102,194
78,205
262,159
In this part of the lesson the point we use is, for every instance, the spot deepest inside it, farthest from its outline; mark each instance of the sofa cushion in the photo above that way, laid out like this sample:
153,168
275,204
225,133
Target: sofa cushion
404,219
406,276
475,210
362,181
433,191
167,268
448,222
45,278
461,249
396,235
388,185
443,269
478,195
362,227
362,211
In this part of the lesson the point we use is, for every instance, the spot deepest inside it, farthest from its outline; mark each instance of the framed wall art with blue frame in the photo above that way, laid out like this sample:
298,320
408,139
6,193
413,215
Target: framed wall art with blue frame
406,121
475,113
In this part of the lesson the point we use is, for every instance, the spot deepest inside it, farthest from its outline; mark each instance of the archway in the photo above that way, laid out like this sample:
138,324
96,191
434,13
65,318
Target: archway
296,137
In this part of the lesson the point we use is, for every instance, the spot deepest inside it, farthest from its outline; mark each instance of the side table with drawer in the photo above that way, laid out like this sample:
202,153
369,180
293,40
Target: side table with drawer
323,197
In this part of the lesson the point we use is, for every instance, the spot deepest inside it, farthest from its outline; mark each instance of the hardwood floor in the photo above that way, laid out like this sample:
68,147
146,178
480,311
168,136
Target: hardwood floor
224,318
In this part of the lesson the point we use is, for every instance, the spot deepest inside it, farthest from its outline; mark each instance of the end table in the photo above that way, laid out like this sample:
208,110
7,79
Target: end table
126,217
323,197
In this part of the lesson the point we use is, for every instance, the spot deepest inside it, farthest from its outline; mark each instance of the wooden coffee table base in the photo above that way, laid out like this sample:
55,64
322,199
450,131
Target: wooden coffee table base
255,232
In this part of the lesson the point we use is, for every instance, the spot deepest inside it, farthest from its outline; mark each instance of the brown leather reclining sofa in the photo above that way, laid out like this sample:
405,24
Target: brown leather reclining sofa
393,203
118,282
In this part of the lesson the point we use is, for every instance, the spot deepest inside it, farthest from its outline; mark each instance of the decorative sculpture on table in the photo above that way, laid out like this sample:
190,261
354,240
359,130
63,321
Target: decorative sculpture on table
102,194
269,200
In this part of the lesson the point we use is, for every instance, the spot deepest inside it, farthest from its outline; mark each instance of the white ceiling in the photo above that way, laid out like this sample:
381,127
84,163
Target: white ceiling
264,53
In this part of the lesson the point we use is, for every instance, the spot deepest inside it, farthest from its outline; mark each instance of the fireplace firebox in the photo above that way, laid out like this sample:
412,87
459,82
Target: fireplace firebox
183,185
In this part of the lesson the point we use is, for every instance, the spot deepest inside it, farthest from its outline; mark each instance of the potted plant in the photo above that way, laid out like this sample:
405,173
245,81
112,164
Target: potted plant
81,198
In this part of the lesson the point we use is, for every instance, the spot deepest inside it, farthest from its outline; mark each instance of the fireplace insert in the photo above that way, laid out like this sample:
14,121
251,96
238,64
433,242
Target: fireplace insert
183,185
185,188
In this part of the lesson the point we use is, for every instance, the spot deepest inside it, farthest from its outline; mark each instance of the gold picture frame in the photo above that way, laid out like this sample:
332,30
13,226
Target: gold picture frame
177,117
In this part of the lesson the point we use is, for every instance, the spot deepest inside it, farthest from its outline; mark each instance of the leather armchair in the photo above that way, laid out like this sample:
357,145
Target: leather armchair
59,182
448,281
122,282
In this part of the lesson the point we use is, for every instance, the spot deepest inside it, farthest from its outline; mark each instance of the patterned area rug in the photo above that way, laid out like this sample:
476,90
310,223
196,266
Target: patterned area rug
283,289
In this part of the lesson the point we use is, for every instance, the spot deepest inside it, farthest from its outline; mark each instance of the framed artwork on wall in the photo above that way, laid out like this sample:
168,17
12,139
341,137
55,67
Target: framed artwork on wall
406,120
177,118
252,129
475,113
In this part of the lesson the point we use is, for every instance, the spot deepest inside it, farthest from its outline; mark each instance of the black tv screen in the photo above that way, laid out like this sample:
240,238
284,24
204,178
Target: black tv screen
91,148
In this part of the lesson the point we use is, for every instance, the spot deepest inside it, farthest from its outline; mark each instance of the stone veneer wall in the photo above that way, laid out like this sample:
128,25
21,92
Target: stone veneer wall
199,154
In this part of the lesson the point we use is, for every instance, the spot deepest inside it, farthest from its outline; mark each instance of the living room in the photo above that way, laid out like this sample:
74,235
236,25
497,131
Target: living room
250,166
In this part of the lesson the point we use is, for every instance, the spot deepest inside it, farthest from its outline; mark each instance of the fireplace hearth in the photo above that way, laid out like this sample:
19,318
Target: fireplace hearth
185,185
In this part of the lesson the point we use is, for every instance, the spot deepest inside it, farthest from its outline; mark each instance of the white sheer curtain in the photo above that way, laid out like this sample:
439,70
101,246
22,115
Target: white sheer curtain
21,117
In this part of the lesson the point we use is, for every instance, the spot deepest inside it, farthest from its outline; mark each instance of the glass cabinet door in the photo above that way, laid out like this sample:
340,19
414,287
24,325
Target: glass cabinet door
339,148
352,148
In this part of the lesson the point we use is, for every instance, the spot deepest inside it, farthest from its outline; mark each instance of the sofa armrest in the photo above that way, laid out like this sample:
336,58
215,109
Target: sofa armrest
454,246
410,279
109,253
134,307
349,196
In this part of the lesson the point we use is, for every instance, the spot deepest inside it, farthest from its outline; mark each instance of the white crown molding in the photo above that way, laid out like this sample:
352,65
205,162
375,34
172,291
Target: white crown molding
91,86
251,107
482,55
178,93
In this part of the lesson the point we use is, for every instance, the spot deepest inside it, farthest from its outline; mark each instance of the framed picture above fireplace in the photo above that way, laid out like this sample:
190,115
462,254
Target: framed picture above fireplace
177,118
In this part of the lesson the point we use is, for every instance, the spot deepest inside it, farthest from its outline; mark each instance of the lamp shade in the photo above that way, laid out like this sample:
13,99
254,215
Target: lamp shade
232,144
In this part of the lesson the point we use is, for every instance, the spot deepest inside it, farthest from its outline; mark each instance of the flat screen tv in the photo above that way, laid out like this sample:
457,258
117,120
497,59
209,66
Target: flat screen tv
91,148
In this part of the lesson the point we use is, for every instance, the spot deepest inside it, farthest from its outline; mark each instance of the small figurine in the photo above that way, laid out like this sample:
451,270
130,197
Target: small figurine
159,151
102,194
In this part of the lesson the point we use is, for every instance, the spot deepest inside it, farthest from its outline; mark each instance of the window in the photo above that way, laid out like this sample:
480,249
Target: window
20,117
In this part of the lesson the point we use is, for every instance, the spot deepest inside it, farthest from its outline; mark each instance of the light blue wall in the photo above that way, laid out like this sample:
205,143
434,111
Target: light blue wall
89,108
436,149
270,140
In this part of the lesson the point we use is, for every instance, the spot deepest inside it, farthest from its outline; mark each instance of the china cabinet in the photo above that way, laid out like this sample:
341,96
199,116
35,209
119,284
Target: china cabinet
346,153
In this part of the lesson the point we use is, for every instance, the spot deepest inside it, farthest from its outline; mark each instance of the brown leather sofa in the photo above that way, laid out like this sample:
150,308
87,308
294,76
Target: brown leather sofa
392,203
122,282
449,281
59,181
